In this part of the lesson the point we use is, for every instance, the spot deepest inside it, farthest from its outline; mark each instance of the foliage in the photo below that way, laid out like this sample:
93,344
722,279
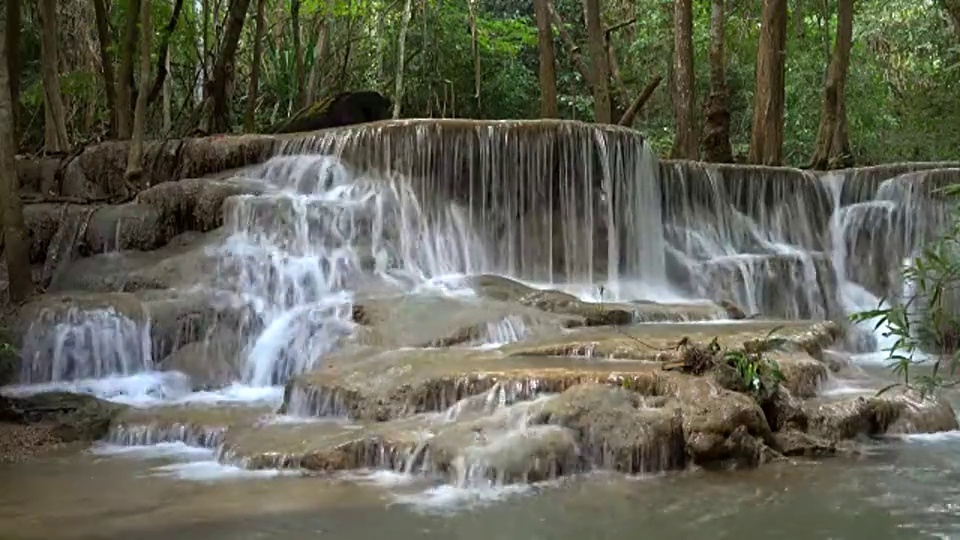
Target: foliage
925,325
901,93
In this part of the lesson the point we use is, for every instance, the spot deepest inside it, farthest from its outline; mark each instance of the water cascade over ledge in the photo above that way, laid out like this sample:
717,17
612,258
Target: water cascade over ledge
488,303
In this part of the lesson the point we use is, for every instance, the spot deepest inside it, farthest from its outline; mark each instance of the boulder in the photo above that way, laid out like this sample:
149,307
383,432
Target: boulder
619,429
212,362
70,417
894,412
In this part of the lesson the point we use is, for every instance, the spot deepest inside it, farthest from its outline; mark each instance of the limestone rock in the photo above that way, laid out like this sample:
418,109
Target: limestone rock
895,412
795,443
721,427
72,417
802,373
210,363
619,429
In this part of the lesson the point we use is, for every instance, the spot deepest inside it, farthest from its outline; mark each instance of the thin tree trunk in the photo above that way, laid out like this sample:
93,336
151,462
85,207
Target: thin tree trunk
319,53
766,133
106,61
475,50
223,70
297,51
572,47
716,137
163,57
253,85
598,59
135,157
833,143
631,113
16,242
401,56
685,144
548,69
167,113
12,38
124,89
55,132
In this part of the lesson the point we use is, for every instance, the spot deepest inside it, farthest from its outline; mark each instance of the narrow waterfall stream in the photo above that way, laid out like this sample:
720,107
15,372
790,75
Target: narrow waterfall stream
407,310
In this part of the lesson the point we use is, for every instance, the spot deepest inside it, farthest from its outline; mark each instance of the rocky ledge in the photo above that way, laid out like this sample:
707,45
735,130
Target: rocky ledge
637,398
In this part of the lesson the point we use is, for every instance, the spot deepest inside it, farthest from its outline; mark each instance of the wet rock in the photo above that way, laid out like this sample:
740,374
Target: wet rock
733,311
619,429
71,417
376,384
895,412
477,454
211,363
168,318
722,428
661,341
795,443
784,411
589,313
802,374
125,226
201,425
323,446
192,204
185,261
423,321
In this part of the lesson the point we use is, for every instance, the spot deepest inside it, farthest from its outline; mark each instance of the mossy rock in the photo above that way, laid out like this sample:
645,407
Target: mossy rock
9,362
73,417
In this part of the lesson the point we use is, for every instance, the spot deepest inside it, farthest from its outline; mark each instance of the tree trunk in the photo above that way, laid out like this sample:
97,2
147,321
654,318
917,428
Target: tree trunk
401,55
572,48
12,38
319,55
106,61
253,85
833,143
223,69
16,245
599,61
124,89
475,50
685,143
55,132
163,57
548,70
716,137
766,133
134,158
953,11
297,51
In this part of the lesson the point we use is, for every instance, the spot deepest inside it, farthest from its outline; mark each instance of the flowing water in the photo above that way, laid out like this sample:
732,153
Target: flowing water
408,209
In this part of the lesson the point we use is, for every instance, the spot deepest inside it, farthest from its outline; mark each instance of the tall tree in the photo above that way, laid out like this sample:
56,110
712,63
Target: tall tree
548,70
135,157
12,38
224,67
766,133
685,144
16,243
106,61
128,46
716,136
599,61
404,25
253,84
55,116
833,142
297,51
320,55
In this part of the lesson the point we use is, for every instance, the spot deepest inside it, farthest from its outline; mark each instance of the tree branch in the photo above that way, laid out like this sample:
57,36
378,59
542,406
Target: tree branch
631,114
164,51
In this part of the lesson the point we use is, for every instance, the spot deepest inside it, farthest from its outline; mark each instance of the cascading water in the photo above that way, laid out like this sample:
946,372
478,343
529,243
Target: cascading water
299,252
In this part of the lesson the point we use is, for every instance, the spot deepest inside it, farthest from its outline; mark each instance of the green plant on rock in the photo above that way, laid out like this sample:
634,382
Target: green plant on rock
925,324
760,375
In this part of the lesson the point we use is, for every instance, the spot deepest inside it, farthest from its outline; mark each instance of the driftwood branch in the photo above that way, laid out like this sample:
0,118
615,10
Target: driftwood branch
631,114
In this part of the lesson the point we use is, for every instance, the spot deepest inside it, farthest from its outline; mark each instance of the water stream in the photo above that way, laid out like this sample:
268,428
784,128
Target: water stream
373,212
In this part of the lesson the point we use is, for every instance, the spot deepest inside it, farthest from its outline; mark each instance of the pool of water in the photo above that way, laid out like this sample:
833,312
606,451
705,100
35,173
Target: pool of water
899,489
